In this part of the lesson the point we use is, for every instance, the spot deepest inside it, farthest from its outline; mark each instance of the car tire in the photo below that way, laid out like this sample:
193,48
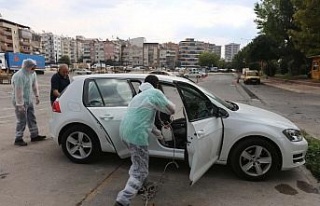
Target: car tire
80,144
254,159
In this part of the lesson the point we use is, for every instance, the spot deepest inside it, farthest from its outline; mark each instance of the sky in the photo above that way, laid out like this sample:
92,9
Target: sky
216,21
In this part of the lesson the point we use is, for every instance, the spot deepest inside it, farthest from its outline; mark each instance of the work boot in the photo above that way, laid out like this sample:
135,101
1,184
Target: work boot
20,143
118,204
38,138
147,187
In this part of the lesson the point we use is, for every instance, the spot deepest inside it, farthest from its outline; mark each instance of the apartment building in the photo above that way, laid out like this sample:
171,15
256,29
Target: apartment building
15,37
138,41
79,48
51,47
151,54
231,50
132,51
171,54
189,51
89,51
217,50
113,51
66,46
135,55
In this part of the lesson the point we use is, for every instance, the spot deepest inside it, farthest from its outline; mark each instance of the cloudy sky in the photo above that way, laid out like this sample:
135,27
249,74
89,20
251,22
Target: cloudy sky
215,21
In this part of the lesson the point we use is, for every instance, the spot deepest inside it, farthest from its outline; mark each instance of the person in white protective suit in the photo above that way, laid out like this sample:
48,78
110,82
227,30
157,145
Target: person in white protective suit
135,129
25,85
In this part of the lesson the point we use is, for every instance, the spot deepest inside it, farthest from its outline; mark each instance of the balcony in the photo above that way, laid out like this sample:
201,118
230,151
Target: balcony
25,43
4,47
25,50
9,48
7,33
8,41
25,34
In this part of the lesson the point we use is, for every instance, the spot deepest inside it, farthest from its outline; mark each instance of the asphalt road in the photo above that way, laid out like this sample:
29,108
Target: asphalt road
40,174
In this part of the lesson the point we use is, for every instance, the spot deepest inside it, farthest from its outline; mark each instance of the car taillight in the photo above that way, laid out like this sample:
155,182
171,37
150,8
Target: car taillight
56,107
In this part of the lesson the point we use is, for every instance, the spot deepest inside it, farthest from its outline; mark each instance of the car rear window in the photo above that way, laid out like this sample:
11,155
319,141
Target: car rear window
108,93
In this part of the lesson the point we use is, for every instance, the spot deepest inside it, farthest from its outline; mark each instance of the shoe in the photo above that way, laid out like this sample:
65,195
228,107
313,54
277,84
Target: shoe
20,143
118,204
147,187
38,138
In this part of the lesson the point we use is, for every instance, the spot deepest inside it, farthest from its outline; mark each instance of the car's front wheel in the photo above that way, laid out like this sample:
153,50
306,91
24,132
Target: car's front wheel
80,144
254,159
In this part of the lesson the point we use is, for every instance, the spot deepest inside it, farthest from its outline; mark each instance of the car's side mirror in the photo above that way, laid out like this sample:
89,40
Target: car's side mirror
222,113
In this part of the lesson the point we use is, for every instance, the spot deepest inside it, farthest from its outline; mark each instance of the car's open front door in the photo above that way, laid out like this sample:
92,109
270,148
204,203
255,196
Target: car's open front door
204,130
204,141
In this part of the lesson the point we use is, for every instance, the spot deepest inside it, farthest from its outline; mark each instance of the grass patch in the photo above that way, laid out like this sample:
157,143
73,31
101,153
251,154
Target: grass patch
291,77
313,156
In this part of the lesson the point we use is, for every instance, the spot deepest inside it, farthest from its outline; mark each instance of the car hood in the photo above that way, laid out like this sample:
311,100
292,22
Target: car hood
258,115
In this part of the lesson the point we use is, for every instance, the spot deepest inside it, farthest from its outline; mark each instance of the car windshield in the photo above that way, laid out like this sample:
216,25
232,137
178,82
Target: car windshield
228,104
252,73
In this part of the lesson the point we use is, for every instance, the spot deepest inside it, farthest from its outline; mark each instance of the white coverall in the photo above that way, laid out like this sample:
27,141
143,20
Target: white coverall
135,128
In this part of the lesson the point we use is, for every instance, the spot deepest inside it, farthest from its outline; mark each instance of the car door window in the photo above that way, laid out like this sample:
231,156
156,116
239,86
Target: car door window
136,85
197,105
92,97
108,93
171,92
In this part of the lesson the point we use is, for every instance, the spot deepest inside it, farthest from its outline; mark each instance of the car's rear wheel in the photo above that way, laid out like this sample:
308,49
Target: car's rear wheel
254,159
80,144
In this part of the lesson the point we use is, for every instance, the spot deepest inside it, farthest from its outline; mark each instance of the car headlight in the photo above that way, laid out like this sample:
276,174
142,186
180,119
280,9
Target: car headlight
293,135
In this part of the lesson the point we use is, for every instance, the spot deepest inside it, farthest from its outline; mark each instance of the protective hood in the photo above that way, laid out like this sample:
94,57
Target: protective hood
145,86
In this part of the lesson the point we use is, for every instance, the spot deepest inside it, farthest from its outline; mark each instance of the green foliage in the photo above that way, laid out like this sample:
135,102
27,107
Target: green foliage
313,156
263,48
239,60
275,20
307,18
271,68
208,59
64,60
109,62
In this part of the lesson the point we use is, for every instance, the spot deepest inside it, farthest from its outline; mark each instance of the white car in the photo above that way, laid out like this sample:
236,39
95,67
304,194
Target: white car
83,71
162,73
207,130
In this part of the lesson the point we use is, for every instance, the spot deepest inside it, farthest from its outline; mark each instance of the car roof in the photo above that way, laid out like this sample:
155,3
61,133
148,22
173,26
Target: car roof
132,76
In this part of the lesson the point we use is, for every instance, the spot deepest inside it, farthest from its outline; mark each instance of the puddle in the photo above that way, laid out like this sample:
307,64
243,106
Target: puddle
306,187
286,189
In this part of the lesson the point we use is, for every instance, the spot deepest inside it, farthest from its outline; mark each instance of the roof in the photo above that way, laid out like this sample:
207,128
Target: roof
132,76
13,23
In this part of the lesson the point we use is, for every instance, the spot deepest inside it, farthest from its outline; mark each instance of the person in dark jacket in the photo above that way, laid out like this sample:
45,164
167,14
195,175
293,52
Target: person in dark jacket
59,82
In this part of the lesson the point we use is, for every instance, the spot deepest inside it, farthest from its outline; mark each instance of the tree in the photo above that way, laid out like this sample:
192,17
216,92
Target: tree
307,18
208,59
240,60
263,48
64,60
275,20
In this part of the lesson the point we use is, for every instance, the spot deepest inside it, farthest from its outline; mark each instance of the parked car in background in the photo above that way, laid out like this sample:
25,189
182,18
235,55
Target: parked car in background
206,129
213,69
163,73
83,71
251,76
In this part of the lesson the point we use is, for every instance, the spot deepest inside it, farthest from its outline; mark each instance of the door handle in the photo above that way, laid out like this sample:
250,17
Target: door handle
107,117
200,133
